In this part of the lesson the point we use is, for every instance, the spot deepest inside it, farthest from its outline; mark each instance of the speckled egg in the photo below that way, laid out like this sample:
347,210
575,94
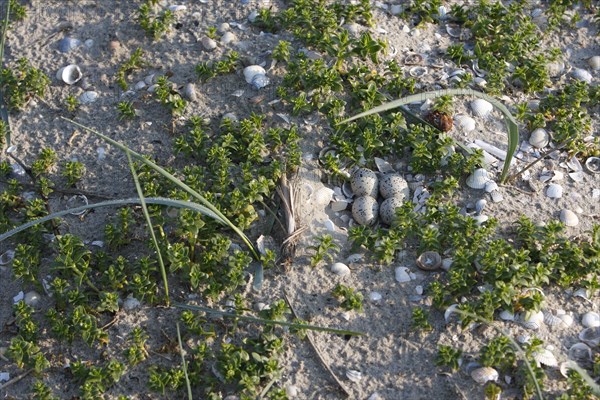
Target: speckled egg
393,185
387,210
364,182
365,210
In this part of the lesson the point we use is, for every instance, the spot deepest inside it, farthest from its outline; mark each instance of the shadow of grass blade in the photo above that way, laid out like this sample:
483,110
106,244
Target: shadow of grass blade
511,123
112,203
268,321
176,181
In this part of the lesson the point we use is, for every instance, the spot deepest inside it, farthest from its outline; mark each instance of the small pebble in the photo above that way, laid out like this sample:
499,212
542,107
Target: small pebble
190,92
208,43
131,303
227,38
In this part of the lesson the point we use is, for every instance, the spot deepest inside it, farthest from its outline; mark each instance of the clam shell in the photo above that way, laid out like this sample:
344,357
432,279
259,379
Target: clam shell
465,123
251,71
227,38
353,375
208,43
592,164
32,298
580,352
449,311
364,182
190,92
482,375
375,297
323,196
481,108
417,71
545,357
68,43
340,269
429,261
77,200
539,138
552,320
365,210
554,191
594,63
7,257
532,319
567,319
70,74
480,219
569,218
590,336
490,186
581,75
480,205
590,319
413,59
402,275
394,185
478,179
88,97
383,166
387,209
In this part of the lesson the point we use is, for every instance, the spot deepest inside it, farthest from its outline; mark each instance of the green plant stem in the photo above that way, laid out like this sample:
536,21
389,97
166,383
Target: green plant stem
3,109
184,364
511,122
176,181
163,270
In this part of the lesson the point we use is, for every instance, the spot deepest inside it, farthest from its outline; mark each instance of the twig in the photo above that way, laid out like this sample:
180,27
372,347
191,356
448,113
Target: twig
16,379
316,349
110,323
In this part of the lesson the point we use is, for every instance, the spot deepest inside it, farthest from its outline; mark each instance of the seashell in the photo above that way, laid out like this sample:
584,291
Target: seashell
208,43
507,315
442,12
353,375
594,63
592,164
449,311
375,297
228,37
545,357
581,75
190,92
329,225
552,320
402,275
364,182
465,123
131,303
555,69
480,219
590,336
413,59
251,71
70,74
590,319
354,258
339,205
365,210
454,30
580,351
88,97
177,7
490,186
478,179
140,85
394,185
539,138
396,9
383,166
68,43
291,390
417,71
260,81
323,196
340,269
77,200
32,298
7,257
481,108
554,191
532,319
446,264
480,205
429,261
387,209
18,297
569,218
567,319
482,375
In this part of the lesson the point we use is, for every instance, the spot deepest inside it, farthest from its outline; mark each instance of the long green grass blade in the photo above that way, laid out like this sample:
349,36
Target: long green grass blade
3,108
176,181
184,364
163,270
511,122
268,321
111,203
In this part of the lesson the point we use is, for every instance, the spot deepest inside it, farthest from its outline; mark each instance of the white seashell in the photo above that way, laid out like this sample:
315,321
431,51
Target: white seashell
18,297
208,43
478,179
567,319
532,319
177,7
506,315
32,298
323,196
67,44
365,210
429,261
524,338
481,108
7,257
402,274
592,164
228,37
364,182
580,352
545,357
480,219
190,92
354,258
329,225
251,71
555,69
539,138
396,9
375,297
454,30
482,375
340,269
139,86
4,376
339,205
569,218
465,123
394,185
581,75
383,166
446,264
387,209
490,186
88,97
590,319
554,191
131,303
449,311
480,205
260,81
419,290
417,71
70,74
353,375
552,320
591,336
594,63
576,176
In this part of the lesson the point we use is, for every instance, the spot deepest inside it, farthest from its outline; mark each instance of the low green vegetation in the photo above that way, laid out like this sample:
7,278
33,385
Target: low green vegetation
21,83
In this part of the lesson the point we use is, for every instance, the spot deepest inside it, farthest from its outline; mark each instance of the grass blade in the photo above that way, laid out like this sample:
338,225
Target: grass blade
184,364
511,123
3,108
268,321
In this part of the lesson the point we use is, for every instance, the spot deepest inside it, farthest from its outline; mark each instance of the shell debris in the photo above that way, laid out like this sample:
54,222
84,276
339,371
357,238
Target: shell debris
569,218
484,374
429,261
478,179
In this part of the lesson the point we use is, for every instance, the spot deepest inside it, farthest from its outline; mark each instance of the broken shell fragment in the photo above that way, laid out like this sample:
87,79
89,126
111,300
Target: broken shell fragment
481,108
387,209
590,336
70,74
594,63
402,275
592,164
393,185
32,298
484,374
569,218
554,191
539,138
581,75
545,357
364,182
464,123
478,179
532,319
590,319
429,261
77,200
88,97
580,352
353,375
365,210
7,257
68,43
340,269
